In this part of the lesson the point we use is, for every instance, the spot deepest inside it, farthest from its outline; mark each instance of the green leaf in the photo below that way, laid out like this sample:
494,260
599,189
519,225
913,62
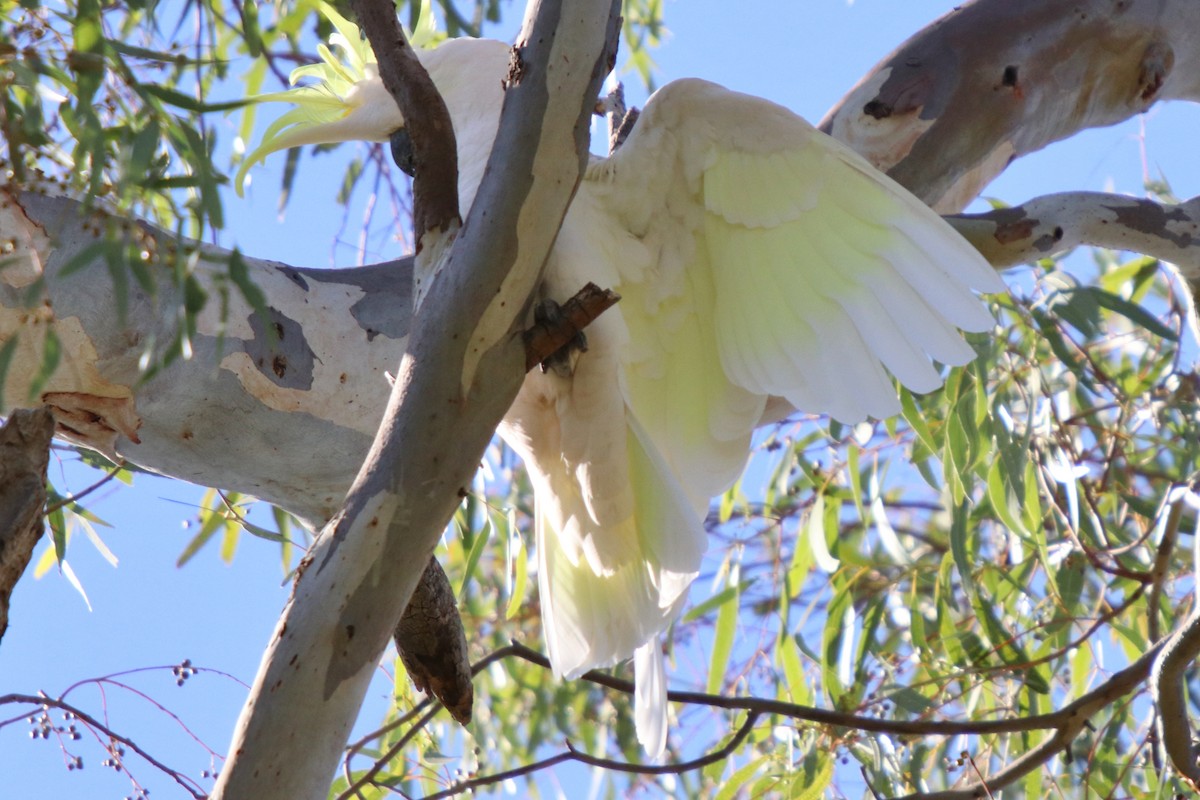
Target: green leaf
239,273
7,351
229,542
815,531
353,172
912,415
814,778
788,654
802,562
210,523
855,478
960,544
57,521
97,542
736,783
477,548
1003,499
520,579
716,601
259,531
251,34
283,523
1133,312
185,101
832,640
722,647
51,355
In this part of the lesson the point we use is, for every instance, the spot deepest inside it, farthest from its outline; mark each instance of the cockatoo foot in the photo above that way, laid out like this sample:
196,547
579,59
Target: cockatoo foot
548,313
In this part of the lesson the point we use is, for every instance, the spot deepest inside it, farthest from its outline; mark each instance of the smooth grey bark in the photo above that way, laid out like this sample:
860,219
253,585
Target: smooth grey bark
463,366
994,80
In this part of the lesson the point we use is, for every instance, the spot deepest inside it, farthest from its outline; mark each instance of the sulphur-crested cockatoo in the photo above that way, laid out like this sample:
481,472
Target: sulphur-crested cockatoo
762,266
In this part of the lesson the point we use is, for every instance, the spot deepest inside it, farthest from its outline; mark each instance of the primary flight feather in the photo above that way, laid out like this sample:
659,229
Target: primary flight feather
763,267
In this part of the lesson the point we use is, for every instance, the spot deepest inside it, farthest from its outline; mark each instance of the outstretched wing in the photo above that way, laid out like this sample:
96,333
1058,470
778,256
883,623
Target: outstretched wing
776,263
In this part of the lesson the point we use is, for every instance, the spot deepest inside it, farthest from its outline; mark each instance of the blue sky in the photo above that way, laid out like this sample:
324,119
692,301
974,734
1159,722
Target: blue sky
803,54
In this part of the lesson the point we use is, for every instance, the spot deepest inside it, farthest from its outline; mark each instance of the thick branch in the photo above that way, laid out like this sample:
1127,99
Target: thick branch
426,120
1058,222
462,369
24,456
994,80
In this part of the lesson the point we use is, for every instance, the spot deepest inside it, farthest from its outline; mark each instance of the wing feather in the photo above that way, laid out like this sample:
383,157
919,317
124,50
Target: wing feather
827,277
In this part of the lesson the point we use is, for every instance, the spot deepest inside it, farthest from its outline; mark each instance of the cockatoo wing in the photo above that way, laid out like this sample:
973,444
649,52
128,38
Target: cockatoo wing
780,264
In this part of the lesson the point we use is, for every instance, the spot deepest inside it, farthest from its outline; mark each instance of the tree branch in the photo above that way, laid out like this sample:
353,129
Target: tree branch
44,702
426,120
571,754
24,457
994,80
1119,684
462,368
1056,223
1168,685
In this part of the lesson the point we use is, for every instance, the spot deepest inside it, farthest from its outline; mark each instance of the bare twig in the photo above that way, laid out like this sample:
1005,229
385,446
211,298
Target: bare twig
571,754
1162,559
368,777
1066,724
1119,684
49,702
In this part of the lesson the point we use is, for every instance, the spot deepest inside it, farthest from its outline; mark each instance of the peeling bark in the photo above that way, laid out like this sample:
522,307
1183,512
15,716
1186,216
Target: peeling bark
24,457
433,645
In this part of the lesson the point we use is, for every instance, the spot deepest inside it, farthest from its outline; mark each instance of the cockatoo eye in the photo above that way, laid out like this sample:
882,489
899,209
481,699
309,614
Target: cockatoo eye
402,152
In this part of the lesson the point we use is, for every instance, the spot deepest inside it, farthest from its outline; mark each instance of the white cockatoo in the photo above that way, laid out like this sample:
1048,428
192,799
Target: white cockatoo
763,267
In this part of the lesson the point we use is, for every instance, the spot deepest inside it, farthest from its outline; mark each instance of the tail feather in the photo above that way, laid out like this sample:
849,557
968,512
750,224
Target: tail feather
650,699
596,618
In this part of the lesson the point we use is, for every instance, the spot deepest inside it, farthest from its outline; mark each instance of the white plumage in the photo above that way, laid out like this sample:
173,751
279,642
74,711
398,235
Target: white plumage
758,261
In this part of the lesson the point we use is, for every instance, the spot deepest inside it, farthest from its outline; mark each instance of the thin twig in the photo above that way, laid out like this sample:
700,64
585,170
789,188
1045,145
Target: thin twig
571,754
368,777
75,498
1119,684
87,719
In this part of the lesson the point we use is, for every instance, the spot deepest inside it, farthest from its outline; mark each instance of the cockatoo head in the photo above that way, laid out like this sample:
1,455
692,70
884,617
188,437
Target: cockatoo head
348,101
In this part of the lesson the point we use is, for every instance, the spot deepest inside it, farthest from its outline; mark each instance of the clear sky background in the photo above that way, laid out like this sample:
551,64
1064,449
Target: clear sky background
804,54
